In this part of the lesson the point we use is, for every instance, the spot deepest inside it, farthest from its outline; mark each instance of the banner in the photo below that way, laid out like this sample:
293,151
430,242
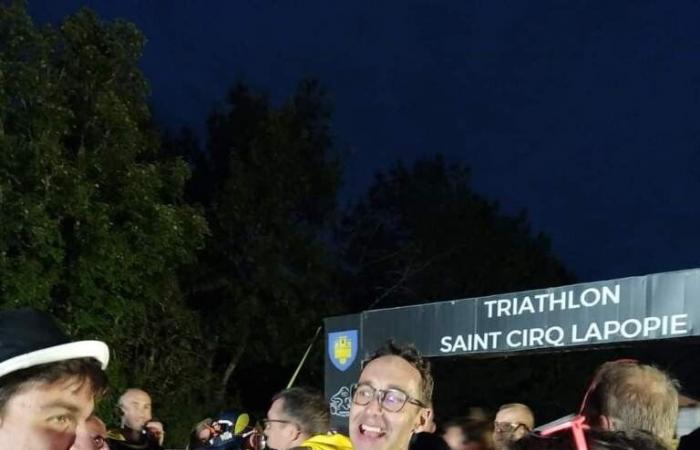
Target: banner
658,306
342,366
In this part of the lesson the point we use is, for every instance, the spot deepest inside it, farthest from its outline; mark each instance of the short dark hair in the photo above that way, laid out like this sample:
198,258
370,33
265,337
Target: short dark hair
411,355
81,369
308,407
634,396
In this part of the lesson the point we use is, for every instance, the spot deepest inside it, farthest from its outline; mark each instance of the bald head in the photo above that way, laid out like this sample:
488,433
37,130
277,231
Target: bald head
135,405
133,393
513,421
519,412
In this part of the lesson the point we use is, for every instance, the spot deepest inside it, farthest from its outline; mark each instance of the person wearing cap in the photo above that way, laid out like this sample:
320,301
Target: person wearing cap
299,417
138,430
48,384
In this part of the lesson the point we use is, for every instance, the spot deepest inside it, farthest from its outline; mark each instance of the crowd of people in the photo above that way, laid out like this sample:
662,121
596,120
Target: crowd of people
49,386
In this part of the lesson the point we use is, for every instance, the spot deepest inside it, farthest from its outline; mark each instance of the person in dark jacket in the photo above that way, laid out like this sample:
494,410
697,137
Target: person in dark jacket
138,430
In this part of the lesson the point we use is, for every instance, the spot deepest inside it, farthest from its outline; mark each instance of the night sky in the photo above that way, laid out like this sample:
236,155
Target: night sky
583,113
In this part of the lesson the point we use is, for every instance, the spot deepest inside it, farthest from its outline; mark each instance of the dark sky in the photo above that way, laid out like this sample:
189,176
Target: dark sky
583,113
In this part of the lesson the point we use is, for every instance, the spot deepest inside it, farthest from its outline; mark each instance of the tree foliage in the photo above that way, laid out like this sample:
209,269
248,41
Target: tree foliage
423,234
264,282
209,270
94,225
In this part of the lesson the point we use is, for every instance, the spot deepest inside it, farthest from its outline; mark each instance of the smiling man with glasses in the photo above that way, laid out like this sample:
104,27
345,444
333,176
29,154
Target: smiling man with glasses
513,421
300,418
390,400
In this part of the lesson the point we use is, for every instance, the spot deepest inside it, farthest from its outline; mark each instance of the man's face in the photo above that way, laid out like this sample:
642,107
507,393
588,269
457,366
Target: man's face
45,416
280,430
509,426
374,428
454,438
92,436
136,409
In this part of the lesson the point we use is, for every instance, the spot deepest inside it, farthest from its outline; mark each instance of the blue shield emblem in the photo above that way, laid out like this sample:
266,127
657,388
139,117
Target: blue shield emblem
342,348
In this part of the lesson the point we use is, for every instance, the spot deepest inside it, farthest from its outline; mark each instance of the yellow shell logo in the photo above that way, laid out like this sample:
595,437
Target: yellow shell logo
342,349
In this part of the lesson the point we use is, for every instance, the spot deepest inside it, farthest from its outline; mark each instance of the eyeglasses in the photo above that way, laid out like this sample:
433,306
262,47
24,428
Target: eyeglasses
508,427
391,400
267,422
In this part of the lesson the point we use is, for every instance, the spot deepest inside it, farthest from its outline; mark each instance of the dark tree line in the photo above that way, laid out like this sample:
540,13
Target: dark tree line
208,266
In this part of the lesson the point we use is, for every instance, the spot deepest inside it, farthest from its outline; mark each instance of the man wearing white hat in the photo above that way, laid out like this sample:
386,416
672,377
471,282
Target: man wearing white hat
48,384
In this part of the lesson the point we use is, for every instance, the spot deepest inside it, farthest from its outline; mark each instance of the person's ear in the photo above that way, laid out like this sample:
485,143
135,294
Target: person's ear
422,419
293,433
520,432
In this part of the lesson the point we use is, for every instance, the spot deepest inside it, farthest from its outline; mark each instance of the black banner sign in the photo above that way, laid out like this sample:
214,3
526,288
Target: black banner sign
658,306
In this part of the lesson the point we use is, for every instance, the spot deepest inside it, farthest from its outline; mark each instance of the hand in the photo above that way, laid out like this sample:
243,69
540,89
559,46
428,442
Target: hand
155,429
205,431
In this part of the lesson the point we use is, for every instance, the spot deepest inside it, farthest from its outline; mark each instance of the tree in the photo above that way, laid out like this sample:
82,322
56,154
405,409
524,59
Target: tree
424,235
265,280
94,226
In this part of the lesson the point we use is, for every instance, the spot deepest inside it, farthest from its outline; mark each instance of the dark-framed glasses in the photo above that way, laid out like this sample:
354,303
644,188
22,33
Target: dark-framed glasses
508,427
267,422
391,400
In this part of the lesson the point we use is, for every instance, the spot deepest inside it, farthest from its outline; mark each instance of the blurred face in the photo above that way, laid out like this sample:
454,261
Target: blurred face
92,436
280,430
510,425
374,428
136,409
454,438
46,416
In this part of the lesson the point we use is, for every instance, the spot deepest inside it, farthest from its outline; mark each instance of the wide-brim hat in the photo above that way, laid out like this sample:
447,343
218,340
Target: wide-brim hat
30,338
